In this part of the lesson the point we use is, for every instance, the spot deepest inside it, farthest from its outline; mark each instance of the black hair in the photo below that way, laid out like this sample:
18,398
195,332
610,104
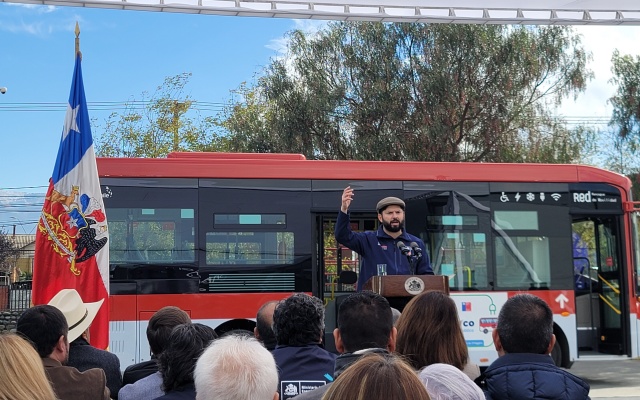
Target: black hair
177,361
42,326
365,321
299,320
525,325
161,324
264,324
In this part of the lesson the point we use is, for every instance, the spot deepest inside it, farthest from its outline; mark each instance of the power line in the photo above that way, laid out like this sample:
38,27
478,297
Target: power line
103,106
30,204
22,204
29,197
25,196
200,106
23,187
11,223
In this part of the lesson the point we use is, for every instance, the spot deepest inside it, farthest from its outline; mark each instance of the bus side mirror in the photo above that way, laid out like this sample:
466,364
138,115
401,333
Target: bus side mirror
348,277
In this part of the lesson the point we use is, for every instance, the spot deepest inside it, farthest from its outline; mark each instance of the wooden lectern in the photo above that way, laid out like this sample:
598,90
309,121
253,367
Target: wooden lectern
406,285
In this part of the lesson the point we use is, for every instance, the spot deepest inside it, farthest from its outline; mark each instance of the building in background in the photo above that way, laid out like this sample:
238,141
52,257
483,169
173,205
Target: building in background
23,267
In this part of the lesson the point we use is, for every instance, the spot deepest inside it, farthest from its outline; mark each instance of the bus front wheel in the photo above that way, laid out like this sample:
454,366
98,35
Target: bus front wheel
556,354
560,351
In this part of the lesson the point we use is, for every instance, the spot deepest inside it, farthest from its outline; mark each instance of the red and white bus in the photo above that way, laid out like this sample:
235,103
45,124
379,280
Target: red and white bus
220,234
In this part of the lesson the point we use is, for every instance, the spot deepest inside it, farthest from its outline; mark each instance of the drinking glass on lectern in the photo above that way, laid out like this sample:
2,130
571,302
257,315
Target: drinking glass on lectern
382,269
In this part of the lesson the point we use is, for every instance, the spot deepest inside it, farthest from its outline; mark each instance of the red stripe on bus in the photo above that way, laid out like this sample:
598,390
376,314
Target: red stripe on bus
560,301
198,306
262,168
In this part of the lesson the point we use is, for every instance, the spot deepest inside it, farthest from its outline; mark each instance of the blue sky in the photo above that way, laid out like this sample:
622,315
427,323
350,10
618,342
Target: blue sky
124,54
128,52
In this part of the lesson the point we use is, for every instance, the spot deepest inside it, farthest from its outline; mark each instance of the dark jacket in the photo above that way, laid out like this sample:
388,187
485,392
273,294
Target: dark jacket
531,376
135,372
302,368
147,388
342,362
83,356
184,392
379,248
70,384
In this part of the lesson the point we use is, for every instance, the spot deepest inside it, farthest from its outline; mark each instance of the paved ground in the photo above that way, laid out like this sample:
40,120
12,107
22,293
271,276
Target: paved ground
613,379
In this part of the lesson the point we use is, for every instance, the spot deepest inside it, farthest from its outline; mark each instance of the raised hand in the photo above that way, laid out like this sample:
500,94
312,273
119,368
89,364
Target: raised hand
347,197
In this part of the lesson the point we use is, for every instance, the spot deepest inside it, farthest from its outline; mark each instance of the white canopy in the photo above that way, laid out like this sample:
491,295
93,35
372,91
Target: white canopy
530,12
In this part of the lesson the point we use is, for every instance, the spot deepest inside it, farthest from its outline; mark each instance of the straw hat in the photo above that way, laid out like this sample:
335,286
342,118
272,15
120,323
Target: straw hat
79,315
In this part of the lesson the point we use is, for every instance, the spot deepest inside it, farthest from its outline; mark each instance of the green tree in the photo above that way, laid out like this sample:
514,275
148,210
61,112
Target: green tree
616,153
160,123
626,100
625,119
437,92
635,190
8,253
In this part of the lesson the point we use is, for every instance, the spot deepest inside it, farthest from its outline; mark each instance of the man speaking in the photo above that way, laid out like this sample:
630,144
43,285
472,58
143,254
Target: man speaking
389,248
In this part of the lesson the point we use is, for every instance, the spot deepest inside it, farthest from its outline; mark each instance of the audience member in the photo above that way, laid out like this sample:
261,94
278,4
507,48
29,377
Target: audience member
143,381
377,377
82,355
364,326
429,332
395,315
237,332
446,382
524,368
22,372
236,368
177,361
298,323
160,326
46,327
264,325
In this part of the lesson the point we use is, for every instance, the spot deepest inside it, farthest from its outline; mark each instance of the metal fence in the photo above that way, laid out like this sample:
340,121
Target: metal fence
15,296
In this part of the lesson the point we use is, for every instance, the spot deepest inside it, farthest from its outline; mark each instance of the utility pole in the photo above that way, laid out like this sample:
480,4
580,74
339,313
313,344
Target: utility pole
176,124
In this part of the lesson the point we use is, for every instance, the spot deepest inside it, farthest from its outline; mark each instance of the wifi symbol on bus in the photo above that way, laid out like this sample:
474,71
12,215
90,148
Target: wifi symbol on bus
556,196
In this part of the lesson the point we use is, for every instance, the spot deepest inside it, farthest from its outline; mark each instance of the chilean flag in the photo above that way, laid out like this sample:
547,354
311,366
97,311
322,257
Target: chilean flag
71,241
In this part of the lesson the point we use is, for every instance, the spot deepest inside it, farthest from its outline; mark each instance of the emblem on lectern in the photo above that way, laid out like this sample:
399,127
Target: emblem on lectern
414,285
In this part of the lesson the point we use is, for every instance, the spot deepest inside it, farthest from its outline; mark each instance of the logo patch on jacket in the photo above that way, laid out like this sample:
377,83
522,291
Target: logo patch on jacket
290,389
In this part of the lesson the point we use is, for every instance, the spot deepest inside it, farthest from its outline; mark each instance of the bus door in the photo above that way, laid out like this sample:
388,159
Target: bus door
335,257
599,288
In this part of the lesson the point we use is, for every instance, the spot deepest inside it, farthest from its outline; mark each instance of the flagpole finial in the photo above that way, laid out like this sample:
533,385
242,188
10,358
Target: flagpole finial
77,30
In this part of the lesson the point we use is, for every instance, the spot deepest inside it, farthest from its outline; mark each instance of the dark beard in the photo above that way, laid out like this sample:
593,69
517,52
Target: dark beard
390,228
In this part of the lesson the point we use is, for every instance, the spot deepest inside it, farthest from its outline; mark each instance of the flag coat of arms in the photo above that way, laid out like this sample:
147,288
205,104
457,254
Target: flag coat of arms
71,240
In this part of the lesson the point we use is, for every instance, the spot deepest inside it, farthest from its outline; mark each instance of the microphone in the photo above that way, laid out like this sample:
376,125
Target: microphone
416,249
404,249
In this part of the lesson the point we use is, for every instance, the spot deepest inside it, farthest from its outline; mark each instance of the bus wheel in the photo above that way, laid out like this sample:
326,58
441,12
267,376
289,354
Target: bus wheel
560,352
556,354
